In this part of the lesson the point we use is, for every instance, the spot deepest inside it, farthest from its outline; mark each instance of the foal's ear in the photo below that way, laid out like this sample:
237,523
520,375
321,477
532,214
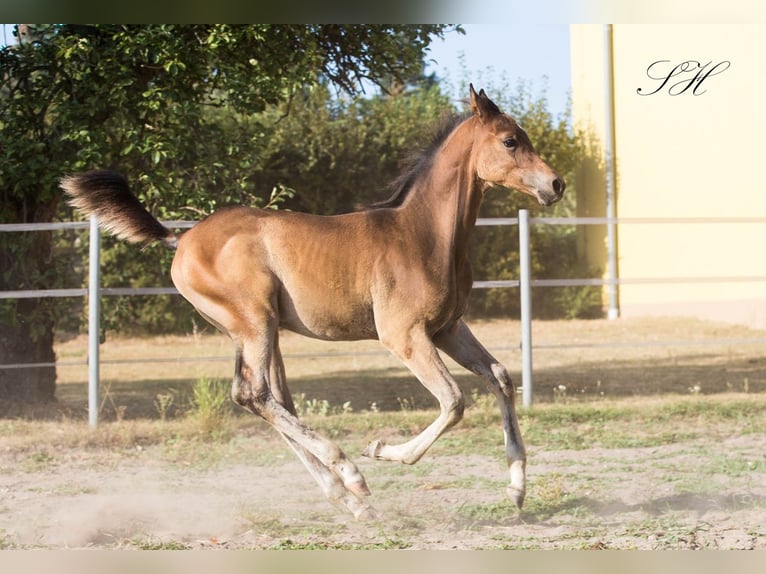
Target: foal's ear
481,105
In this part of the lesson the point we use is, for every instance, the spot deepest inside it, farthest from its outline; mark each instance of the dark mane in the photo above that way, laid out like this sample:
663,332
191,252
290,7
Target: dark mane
418,163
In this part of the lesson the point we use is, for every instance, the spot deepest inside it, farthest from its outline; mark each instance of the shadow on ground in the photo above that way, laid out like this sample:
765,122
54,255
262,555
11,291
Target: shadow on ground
685,502
395,389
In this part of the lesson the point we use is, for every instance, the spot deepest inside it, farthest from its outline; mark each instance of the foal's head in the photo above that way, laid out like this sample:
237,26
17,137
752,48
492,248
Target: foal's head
505,156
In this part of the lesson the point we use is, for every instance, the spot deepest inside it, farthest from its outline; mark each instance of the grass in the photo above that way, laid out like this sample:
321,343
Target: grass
559,495
623,423
627,399
211,406
387,544
570,355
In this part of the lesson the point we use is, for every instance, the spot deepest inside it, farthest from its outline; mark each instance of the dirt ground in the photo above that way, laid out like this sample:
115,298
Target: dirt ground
702,489
701,493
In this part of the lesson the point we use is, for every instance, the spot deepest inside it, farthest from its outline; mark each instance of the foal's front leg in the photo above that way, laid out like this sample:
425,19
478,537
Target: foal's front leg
460,344
417,352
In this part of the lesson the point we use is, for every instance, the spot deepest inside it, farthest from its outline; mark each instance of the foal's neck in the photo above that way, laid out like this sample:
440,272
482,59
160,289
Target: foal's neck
448,197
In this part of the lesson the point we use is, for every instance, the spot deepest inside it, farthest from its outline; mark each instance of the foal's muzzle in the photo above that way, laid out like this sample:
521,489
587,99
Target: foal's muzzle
552,195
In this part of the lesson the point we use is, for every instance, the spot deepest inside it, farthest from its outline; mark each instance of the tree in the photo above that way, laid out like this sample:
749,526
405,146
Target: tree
139,99
350,150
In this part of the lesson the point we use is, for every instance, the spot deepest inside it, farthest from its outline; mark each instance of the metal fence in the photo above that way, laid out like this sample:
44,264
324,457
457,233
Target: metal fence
525,283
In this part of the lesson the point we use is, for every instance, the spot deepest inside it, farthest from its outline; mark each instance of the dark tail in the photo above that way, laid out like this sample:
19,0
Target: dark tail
106,195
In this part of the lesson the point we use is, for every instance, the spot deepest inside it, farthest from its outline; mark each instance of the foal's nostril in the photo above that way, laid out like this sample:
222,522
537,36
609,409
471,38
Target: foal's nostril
559,186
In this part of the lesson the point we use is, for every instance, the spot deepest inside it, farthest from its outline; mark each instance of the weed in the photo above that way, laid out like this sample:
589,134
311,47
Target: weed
483,401
152,544
549,496
119,410
5,541
211,406
488,513
666,532
406,405
318,407
387,544
559,394
163,402
39,460
306,406
266,524
736,465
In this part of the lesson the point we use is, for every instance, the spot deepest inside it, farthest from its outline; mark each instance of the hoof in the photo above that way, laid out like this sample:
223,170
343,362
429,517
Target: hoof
373,450
516,495
359,487
367,514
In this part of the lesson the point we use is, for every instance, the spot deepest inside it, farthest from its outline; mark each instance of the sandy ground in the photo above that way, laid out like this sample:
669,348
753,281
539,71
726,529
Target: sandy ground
644,498
697,490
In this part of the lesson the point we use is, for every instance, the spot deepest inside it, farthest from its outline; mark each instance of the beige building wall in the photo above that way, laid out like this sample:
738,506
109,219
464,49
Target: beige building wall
678,156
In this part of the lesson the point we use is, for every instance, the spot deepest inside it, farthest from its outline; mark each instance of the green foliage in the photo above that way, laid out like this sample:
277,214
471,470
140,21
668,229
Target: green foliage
340,153
170,105
318,407
202,116
211,406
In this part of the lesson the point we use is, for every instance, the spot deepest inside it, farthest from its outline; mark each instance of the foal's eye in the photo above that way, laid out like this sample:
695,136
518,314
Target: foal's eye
510,143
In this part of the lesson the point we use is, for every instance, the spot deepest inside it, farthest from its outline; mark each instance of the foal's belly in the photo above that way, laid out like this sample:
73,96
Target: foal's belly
330,319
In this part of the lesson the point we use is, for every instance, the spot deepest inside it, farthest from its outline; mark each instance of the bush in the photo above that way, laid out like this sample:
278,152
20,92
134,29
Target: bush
211,406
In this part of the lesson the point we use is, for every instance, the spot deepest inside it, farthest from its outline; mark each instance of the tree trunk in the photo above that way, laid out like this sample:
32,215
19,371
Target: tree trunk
28,387
26,325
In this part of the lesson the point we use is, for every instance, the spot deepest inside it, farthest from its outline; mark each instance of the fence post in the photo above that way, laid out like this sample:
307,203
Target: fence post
94,321
611,230
525,279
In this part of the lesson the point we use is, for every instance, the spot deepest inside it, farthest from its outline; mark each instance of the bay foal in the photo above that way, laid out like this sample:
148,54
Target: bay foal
397,271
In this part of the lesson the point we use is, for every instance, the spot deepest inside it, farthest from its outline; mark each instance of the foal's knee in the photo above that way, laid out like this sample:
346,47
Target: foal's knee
503,378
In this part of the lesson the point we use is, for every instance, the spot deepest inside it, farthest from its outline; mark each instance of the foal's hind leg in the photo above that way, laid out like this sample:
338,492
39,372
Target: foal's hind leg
252,390
460,344
328,481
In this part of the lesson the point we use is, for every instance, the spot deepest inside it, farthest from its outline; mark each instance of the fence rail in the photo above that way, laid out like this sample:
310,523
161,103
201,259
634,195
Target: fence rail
94,292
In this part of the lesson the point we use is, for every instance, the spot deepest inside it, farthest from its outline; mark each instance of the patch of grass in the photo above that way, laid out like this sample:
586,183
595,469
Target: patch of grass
211,406
611,424
666,532
585,537
547,496
711,471
737,464
5,541
270,525
151,544
486,441
488,513
638,423
387,544
39,460
67,489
